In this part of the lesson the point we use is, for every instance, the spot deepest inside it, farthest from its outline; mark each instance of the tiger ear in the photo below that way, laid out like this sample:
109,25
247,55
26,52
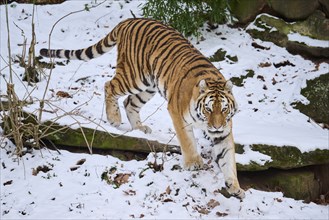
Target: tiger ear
228,86
202,86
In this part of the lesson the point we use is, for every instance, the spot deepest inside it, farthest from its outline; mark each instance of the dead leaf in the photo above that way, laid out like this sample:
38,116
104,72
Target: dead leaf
257,46
130,192
43,168
8,183
284,63
63,94
168,200
168,190
221,214
213,203
121,178
262,65
80,162
278,200
201,210
74,168
260,77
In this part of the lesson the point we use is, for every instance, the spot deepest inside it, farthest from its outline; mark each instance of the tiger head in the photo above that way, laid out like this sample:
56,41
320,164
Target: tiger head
215,105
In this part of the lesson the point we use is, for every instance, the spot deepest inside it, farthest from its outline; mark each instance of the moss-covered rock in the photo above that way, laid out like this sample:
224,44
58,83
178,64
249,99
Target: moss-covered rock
286,157
317,92
86,137
296,183
293,9
316,26
246,11
276,30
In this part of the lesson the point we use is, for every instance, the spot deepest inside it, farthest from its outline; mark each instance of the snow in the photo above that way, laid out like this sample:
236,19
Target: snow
265,117
173,193
307,40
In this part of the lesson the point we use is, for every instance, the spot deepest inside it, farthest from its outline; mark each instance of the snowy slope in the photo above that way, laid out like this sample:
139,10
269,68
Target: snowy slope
67,193
265,117
269,119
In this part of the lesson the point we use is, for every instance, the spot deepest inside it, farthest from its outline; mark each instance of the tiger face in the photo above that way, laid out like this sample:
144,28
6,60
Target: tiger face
215,106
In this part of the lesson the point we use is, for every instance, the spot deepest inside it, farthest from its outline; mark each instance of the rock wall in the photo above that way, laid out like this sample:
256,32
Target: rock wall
292,10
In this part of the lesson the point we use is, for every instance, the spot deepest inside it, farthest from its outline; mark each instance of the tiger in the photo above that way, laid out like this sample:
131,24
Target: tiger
155,58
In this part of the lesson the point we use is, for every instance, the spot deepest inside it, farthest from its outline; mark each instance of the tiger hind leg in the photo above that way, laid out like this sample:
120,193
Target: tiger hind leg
133,104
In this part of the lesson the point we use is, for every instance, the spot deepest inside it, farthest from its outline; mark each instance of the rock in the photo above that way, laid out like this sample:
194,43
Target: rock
246,11
315,26
296,183
276,30
80,140
286,157
293,10
324,4
317,92
86,137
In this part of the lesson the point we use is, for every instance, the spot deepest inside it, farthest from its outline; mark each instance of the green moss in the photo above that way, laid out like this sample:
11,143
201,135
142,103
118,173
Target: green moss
218,56
286,157
232,58
239,81
276,37
276,30
317,92
239,149
245,10
86,137
297,185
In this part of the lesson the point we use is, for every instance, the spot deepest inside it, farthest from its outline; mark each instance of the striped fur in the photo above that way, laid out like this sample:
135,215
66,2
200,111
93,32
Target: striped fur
154,58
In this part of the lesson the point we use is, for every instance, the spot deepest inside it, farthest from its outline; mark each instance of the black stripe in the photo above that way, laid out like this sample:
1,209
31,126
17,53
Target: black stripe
89,52
128,101
220,139
58,53
133,105
99,48
106,41
206,65
221,155
140,99
44,52
78,54
67,54
192,115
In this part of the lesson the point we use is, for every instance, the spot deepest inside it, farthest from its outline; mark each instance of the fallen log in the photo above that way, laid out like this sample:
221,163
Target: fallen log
63,136
95,139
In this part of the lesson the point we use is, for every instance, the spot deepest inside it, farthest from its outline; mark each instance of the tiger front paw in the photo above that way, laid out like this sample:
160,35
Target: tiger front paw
235,190
193,163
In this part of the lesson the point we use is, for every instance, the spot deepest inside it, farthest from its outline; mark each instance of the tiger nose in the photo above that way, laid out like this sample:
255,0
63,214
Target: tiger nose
217,127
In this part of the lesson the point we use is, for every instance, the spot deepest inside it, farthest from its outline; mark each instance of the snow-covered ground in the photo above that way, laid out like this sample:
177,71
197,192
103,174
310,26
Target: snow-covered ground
265,116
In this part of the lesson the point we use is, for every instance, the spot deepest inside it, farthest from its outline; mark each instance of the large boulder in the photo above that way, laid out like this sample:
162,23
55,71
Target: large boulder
293,10
246,11
276,30
317,93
